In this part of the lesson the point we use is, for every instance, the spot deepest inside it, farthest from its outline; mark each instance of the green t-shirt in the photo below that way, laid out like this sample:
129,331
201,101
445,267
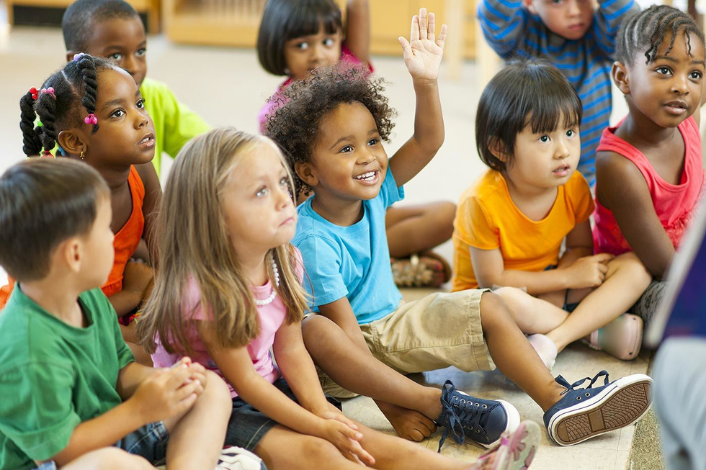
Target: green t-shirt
54,376
174,123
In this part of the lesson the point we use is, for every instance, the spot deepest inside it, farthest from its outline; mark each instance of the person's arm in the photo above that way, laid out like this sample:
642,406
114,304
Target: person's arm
622,189
422,56
137,282
579,244
151,203
236,366
358,29
607,20
502,23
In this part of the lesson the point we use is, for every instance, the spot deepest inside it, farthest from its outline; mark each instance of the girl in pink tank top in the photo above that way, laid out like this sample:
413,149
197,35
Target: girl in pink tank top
649,171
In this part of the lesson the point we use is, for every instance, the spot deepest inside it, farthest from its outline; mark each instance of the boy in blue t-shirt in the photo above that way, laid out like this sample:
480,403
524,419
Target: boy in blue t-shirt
72,395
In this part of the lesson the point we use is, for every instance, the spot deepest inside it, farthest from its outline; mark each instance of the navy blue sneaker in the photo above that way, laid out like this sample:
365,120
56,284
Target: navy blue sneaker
584,413
483,421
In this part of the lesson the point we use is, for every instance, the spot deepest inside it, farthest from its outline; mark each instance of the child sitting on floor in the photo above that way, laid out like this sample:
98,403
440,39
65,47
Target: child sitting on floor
512,222
297,36
331,127
650,175
575,36
72,395
113,29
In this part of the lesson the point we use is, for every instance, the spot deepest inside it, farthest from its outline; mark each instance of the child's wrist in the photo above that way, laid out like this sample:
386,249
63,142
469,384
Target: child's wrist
425,82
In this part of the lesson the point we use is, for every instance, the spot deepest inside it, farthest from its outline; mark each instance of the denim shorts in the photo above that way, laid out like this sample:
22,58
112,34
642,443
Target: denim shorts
149,441
247,425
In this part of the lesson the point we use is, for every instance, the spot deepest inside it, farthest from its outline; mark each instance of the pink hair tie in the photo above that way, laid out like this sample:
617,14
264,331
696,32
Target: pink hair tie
78,56
91,119
48,91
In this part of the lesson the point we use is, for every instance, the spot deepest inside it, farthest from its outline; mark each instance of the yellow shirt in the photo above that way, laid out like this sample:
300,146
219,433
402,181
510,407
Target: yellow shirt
487,218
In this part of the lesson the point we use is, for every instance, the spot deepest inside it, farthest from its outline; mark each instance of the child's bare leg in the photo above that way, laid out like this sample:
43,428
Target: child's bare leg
410,407
532,315
413,229
513,355
109,458
196,438
625,282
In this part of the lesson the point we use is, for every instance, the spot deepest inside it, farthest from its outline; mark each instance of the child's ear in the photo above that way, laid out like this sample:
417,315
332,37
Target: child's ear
529,4
70,55
305,173
69,253
619,73
71,142
498,150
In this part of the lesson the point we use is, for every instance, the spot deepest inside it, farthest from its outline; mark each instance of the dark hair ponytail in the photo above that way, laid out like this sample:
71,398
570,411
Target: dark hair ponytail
30,135
87,67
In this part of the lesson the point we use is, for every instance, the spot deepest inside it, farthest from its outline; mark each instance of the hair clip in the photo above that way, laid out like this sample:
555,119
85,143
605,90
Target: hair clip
91,119
34,92
47,154
78,56
48,91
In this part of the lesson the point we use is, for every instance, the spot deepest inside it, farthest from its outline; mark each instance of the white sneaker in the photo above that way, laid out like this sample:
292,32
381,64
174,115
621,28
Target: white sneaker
237,458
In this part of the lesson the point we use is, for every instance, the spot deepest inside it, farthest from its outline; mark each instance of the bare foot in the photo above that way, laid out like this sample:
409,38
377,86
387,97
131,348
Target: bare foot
409,424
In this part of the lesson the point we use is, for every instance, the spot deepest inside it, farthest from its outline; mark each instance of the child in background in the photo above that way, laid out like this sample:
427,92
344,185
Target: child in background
230,292
576,38
70,386
113,29
512,222
94,111
296,37
650,176
363,335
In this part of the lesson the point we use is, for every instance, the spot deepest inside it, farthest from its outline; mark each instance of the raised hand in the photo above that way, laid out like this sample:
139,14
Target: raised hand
423,53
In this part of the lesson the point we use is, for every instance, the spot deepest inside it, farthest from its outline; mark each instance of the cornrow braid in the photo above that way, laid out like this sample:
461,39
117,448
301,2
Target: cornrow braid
45,106
87,66
32,143
646,30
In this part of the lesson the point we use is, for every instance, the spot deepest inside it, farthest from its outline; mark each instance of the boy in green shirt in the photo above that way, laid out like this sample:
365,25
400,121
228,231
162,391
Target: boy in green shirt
114,30
72,395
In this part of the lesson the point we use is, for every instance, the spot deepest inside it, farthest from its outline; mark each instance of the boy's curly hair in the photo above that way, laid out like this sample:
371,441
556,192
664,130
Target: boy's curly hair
301,107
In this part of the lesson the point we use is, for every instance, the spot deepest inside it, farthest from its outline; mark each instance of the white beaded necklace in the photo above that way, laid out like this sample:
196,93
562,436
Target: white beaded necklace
272,296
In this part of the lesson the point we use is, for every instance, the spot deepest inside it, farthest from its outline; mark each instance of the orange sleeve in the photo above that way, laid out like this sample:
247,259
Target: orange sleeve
5,292
580,197
475,225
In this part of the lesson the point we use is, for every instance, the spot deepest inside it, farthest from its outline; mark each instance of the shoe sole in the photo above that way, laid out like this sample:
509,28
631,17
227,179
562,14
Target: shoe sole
527,433
513,421
620,404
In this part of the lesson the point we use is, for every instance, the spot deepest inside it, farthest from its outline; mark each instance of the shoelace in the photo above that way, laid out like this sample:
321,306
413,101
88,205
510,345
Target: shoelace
570,387
454,420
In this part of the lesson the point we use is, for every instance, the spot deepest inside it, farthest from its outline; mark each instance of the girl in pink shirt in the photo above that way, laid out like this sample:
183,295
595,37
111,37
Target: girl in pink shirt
229,291
648,169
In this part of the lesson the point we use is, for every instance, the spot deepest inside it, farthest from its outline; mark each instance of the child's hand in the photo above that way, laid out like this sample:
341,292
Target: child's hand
343,433
589,271
137,277
422,54
197,371
166,393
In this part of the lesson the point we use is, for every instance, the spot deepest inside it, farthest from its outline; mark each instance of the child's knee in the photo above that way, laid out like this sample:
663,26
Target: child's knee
110,458
320,451
444,215
217,392
629,263
493,311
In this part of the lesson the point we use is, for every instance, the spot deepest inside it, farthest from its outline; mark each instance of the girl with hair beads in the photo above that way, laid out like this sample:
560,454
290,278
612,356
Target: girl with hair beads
94,111
298,36
648,169
229,292
511,223
364,337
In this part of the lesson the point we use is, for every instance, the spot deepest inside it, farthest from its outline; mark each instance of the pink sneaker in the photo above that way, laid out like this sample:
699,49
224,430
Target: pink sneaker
514,452
621,338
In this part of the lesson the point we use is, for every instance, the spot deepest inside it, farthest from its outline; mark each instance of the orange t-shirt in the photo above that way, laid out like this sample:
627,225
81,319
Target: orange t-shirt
488,219
124,244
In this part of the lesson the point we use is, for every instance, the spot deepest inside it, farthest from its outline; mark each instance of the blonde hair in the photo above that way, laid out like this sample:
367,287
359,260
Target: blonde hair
193,244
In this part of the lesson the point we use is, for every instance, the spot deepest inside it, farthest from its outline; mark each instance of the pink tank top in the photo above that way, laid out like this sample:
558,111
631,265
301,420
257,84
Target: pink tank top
673,204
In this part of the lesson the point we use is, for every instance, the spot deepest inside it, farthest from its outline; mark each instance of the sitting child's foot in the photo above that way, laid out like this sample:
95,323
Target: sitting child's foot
584,413
545,347
483,421
514,452
237,458
409,424
425,270
621,338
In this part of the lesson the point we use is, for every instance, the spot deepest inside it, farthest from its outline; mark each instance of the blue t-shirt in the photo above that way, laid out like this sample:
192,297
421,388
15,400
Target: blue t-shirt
353,261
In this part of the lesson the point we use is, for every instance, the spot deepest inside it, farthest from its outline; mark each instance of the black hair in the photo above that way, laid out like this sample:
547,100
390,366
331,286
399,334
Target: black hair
44,201
75,86
645,31
81,16
283,20
524,93
302,106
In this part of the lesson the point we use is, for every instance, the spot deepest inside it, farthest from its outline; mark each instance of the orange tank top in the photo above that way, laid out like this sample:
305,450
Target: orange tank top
124,243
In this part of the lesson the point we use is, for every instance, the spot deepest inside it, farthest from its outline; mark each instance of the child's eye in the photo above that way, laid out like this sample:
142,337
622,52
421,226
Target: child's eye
141,52
261,192
544,138
118,113
302,45
695,75
117,56
373,141
141,103
328,42
284,181
570,133
663,70
346,149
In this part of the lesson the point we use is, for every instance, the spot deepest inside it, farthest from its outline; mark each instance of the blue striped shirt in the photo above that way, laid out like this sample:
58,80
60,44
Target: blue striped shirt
513,32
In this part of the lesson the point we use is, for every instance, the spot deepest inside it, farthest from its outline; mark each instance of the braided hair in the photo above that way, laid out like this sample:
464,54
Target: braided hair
646,30
75,86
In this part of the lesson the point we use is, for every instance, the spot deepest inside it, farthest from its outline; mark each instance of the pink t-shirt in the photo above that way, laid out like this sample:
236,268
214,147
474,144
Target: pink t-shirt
673,204
346,56
271,317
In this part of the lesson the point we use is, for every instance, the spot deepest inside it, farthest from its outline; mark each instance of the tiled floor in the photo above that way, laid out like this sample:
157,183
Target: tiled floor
227,87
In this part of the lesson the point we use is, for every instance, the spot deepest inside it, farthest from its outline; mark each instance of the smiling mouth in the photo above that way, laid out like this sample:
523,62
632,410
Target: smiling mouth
146,139
369,176
562,169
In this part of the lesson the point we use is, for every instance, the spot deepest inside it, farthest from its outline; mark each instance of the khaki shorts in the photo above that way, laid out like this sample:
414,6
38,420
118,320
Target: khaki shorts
438,331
